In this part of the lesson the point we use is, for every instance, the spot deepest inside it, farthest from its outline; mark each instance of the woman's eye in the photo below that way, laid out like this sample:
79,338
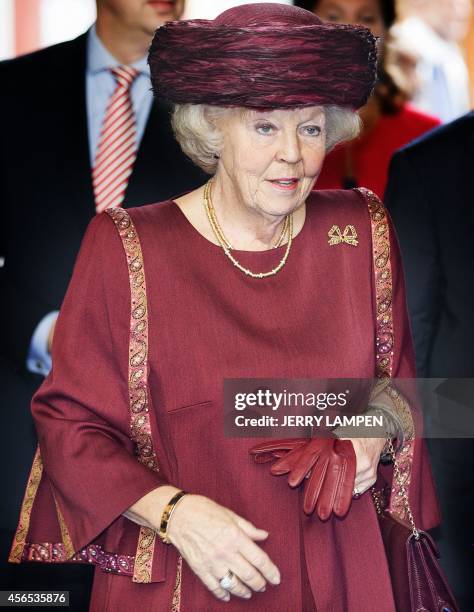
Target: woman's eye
265,129
312,130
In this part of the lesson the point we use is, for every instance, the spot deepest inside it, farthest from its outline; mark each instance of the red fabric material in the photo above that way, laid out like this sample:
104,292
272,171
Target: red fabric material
372,153
313,319
81,410
263,56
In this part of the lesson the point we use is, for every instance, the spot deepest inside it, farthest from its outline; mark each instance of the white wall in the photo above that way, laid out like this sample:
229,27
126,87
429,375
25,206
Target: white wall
6,29
64,19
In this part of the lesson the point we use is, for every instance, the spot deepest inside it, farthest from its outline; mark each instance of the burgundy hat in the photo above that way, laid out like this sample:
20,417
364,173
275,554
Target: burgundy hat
263,56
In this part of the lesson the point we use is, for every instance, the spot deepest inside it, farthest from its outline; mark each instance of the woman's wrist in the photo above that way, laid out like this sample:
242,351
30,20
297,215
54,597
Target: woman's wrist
178,518
386,397
168,513
148,510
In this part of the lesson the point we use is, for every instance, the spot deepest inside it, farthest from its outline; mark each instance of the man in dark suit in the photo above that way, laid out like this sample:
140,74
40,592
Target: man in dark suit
50,121
430,198
58,118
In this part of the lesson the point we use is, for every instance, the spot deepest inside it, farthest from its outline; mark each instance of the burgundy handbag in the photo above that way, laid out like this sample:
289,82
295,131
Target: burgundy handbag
418,582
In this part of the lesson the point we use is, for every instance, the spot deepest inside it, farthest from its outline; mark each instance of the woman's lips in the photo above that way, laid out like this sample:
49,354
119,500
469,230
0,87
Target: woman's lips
284,184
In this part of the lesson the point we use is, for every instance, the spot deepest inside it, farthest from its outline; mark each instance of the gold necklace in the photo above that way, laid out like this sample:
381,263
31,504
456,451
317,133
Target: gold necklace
224,240
227,247
217,228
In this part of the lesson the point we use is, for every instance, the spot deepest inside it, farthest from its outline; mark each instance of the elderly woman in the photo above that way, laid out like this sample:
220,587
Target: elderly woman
252,275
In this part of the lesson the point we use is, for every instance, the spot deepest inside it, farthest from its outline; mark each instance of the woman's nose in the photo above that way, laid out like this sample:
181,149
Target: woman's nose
289,149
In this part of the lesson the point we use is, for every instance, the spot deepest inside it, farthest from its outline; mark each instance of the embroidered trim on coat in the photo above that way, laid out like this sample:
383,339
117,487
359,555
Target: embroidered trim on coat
57,553
385,340
176,599
25,513
383,283
66,538
137,375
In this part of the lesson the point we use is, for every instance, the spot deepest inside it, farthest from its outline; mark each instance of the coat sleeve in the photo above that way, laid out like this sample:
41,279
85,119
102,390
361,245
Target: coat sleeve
415,224
82,410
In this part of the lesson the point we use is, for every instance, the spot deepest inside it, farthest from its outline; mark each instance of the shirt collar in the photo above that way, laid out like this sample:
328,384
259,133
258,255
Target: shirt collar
99,59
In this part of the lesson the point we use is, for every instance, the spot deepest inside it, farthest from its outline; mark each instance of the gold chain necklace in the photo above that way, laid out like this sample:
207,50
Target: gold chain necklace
227,247
217,228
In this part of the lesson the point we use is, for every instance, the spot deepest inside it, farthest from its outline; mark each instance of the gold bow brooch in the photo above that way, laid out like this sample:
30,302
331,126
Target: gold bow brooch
349,236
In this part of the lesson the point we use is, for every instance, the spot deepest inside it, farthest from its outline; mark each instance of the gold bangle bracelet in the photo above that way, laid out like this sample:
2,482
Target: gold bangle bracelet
167,512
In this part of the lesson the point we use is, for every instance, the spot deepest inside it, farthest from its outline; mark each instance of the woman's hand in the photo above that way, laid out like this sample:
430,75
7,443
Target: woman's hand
214,540
367,451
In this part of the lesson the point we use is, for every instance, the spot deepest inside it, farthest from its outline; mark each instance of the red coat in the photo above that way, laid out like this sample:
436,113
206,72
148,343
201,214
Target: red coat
371,153
320,316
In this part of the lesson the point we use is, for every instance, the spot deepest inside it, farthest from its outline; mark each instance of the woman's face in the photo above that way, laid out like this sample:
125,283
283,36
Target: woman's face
271,159
354,12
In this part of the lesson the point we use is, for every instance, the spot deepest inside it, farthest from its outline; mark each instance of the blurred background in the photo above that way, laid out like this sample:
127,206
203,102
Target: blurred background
27,25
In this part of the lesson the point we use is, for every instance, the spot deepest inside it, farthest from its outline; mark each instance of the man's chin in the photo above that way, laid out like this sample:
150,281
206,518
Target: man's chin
151,26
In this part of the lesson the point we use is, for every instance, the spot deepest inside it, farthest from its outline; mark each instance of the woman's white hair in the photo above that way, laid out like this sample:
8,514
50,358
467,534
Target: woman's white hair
196,130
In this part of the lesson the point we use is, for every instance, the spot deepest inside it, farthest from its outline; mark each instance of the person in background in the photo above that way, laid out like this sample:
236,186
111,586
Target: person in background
388,122
429,196
432,31
80,133
91,128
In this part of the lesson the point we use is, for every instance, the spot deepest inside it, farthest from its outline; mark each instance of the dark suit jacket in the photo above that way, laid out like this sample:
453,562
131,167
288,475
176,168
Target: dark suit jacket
45,181
431,199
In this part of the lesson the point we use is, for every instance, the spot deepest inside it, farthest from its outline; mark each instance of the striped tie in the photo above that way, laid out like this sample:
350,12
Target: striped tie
117,150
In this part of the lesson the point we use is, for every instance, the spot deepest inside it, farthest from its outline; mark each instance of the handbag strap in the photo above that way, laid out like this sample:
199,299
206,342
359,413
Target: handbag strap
404,494
398,477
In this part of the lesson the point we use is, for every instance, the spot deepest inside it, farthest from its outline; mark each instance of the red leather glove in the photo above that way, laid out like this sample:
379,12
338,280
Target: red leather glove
328,464
267,451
